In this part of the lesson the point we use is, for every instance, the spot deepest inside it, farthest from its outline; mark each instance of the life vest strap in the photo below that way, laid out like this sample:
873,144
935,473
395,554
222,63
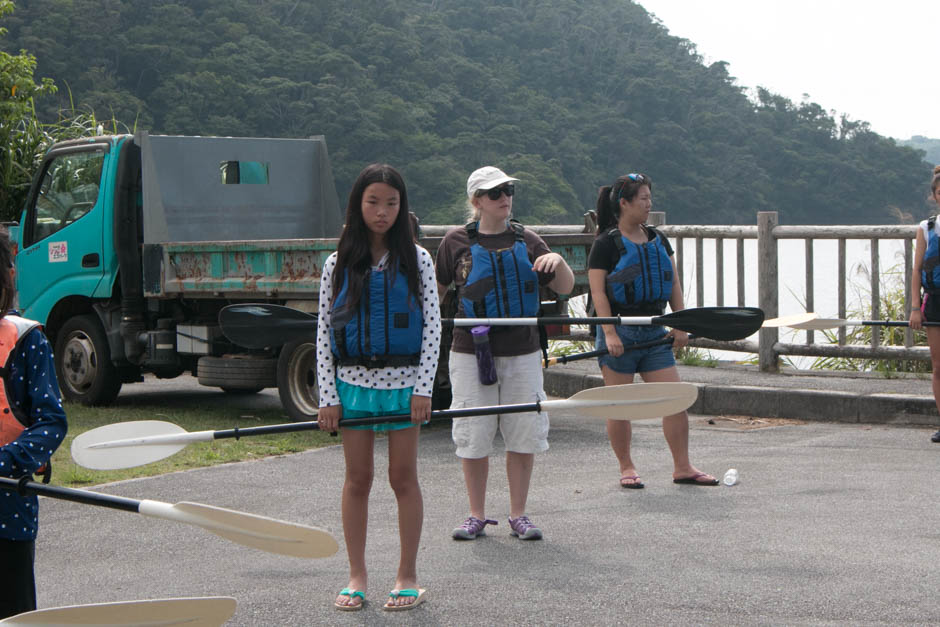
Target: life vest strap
384,361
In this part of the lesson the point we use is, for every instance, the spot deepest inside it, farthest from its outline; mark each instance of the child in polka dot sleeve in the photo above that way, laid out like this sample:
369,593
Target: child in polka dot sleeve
32,425
378,339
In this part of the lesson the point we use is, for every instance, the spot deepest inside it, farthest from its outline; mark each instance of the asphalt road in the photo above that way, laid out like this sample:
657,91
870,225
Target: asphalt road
830,523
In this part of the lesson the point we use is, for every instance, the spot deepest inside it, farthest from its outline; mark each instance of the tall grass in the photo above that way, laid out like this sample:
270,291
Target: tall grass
891,307
27,140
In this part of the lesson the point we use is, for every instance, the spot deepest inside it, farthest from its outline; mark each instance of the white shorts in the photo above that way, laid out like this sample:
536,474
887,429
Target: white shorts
520,381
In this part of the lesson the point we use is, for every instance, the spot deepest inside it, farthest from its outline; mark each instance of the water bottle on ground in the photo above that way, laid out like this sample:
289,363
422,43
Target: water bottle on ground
731,477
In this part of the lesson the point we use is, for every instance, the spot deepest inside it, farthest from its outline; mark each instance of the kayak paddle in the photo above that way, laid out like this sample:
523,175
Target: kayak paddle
258,532
821,324
129,444
195,612
259,325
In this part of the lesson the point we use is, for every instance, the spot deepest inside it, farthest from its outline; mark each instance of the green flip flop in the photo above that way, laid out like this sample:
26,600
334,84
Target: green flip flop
351,594
420,595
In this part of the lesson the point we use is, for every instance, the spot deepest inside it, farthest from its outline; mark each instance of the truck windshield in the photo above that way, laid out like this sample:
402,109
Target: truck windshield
68,191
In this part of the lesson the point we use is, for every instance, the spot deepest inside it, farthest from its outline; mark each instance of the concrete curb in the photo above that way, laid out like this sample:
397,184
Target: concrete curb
771,402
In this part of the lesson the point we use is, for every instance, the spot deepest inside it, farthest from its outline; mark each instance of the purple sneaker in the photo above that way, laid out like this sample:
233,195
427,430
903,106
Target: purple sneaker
471,528
523,528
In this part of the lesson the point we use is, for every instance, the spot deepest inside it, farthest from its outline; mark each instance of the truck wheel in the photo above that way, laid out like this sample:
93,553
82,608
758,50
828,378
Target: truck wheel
297,379
83,362
237,372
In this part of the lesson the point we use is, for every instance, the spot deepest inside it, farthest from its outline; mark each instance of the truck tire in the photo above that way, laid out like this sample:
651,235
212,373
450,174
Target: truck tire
297,379
83,362
237,372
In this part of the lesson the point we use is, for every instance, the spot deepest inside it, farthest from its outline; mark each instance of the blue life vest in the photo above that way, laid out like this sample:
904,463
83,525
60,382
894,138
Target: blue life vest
385,329
501,283
642,277
930,269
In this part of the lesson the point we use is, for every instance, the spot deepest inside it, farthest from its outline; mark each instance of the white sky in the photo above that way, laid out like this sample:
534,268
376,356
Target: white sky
874,60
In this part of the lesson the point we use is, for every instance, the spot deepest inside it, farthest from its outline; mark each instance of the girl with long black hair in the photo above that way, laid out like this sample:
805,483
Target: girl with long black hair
377,346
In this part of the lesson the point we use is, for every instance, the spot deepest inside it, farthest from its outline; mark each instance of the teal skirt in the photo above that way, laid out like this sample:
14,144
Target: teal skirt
360,402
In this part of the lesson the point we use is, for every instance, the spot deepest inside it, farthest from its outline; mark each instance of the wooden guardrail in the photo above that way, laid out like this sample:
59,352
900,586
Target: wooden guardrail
573,242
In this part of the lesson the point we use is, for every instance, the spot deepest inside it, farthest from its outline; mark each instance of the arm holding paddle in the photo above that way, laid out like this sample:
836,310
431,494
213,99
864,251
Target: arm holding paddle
920,247
430,343
330,411
597,279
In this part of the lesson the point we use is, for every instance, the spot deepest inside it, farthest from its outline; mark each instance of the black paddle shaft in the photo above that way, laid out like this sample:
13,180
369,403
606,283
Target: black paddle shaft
896,323
24,486
262,325
440,414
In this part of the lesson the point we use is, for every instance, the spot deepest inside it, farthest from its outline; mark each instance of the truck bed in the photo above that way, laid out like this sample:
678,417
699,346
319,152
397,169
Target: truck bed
288,268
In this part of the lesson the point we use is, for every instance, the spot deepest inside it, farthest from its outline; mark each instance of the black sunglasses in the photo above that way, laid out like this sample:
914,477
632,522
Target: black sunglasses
496,192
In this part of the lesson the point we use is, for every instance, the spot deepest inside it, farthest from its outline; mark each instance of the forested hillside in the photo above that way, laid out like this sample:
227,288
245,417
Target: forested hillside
564,94
930,146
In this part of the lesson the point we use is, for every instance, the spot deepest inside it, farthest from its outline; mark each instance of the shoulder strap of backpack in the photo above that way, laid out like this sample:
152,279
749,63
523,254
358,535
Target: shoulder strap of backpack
473,229
615,235
518,229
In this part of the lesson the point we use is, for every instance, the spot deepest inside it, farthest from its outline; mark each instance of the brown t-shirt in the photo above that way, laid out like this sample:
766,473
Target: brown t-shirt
453,267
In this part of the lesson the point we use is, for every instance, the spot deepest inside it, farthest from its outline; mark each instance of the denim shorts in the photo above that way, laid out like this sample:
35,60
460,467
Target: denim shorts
648,359
931,308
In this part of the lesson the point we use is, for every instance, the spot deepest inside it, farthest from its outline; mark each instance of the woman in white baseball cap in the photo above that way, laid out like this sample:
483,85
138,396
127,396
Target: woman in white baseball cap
497,267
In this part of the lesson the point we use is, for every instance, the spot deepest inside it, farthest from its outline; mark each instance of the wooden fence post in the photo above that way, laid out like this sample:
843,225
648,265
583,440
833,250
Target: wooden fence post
767,289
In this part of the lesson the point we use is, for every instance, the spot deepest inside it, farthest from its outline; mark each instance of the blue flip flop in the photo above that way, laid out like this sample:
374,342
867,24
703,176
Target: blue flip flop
351,594
420,595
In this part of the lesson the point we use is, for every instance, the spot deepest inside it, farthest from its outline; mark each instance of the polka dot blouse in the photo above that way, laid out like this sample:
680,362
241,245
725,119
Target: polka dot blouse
420,376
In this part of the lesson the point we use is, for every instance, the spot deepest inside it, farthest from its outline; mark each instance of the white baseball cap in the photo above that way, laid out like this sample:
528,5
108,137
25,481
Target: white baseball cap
486,178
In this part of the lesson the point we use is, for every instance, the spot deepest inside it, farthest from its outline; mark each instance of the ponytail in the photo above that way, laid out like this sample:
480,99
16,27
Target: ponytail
607,215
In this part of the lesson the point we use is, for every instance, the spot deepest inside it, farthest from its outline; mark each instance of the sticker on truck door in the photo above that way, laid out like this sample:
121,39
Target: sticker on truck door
58,251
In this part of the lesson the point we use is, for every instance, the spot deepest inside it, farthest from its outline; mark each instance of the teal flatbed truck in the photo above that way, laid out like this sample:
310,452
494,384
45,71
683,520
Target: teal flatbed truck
129,245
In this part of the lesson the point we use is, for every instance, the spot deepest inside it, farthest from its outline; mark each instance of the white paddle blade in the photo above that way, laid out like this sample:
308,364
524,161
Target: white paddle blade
820,324
790,321
632,401
87,449
257,532
196,612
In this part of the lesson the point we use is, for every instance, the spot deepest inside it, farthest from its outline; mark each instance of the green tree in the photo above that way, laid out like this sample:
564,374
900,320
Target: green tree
21,134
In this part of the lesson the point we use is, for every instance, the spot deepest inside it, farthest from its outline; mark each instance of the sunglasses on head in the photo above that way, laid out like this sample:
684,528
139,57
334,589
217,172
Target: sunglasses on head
496,192
636,178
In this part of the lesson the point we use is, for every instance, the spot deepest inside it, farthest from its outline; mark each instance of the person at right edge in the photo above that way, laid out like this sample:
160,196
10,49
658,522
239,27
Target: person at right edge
925,286
632,273
497,266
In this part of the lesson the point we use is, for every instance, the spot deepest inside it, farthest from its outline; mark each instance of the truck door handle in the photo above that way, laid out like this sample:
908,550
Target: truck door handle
90,261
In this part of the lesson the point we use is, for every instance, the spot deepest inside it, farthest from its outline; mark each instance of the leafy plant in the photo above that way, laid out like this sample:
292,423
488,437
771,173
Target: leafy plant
692,356
892,307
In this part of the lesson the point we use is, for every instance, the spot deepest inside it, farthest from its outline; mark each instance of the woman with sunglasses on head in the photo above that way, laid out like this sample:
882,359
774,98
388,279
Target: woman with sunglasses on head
497,267
632,272
378,338
926,278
